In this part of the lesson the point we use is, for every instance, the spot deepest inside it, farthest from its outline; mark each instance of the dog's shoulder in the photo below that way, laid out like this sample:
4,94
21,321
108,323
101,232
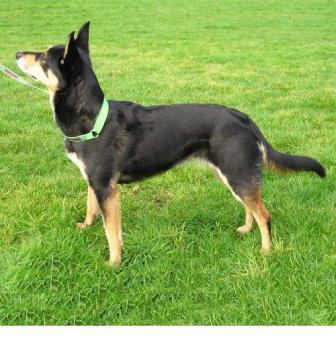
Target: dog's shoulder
130,115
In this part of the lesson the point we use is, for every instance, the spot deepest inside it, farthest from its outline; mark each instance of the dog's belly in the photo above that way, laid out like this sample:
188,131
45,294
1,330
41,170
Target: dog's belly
145,165
138,171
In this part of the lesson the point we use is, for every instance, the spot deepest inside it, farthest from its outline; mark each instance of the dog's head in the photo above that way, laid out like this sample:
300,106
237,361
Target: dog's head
59,65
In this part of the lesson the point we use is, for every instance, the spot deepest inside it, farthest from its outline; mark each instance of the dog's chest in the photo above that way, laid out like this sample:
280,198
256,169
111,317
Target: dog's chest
79,163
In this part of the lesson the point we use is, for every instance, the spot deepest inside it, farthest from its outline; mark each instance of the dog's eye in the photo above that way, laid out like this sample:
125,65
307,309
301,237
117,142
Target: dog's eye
43,58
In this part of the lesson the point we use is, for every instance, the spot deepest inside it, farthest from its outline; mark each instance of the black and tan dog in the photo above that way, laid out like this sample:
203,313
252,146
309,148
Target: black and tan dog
137,142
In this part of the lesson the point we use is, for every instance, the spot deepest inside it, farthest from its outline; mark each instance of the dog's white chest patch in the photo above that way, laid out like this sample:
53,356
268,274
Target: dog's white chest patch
73,157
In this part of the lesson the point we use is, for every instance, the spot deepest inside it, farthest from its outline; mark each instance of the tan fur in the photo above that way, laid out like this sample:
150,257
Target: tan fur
254,203
112,225
270,164
246,228
92,210
29,60
276,168
53,82
28,64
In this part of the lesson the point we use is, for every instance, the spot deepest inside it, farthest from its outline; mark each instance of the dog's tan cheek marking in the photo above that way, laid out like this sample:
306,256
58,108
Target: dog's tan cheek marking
53,82
52,88
30,60
51,98
29,65
34,69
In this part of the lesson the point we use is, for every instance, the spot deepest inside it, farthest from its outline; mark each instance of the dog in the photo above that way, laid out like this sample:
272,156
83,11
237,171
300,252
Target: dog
136,142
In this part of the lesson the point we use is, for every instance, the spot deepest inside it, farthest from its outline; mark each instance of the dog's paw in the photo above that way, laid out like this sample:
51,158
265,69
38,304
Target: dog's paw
266,251
114,262
82,225
244,229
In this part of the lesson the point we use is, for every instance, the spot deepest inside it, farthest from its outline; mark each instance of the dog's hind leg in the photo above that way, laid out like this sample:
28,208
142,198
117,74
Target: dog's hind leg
254,207
254,203
238,161
92,210
246,228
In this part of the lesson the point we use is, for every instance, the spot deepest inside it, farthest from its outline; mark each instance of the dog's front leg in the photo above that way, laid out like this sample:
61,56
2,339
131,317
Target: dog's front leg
110,208
92,210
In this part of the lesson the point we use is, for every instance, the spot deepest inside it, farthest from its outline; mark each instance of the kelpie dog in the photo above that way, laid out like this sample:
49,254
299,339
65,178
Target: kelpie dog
133,142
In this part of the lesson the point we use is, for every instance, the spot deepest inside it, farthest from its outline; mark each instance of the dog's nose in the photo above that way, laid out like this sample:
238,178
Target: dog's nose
18,55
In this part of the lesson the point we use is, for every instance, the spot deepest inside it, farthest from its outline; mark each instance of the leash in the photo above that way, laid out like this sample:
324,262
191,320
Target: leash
18,78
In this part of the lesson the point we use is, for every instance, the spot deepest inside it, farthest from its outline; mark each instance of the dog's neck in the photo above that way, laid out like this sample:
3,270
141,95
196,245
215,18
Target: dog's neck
76,107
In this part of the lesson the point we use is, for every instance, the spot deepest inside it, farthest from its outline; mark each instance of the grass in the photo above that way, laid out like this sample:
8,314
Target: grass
183,262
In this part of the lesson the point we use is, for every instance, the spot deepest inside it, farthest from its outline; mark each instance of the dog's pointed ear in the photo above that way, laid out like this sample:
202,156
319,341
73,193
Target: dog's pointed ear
71,51
71,57
82,39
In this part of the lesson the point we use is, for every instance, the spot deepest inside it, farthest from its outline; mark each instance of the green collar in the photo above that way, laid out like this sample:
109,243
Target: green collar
97,128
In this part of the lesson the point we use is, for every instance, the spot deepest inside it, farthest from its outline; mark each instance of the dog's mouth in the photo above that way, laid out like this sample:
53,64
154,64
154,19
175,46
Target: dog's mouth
22,67
28,74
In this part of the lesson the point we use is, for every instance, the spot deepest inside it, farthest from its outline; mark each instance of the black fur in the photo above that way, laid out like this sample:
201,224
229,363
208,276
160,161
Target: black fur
288,162
296,163
138,142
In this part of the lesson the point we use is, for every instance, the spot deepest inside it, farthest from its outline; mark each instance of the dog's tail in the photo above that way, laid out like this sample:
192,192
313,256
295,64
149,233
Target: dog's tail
282,162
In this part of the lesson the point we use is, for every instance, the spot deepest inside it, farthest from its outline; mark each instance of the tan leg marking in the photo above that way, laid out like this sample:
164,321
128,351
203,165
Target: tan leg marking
92,210
112,224
249,216
263,218
246,228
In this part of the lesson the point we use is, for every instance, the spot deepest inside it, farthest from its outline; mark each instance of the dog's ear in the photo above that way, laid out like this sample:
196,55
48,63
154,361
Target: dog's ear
70,50
82,39
71,57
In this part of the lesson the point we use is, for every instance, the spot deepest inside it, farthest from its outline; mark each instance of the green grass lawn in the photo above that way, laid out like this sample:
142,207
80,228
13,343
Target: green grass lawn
183,262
